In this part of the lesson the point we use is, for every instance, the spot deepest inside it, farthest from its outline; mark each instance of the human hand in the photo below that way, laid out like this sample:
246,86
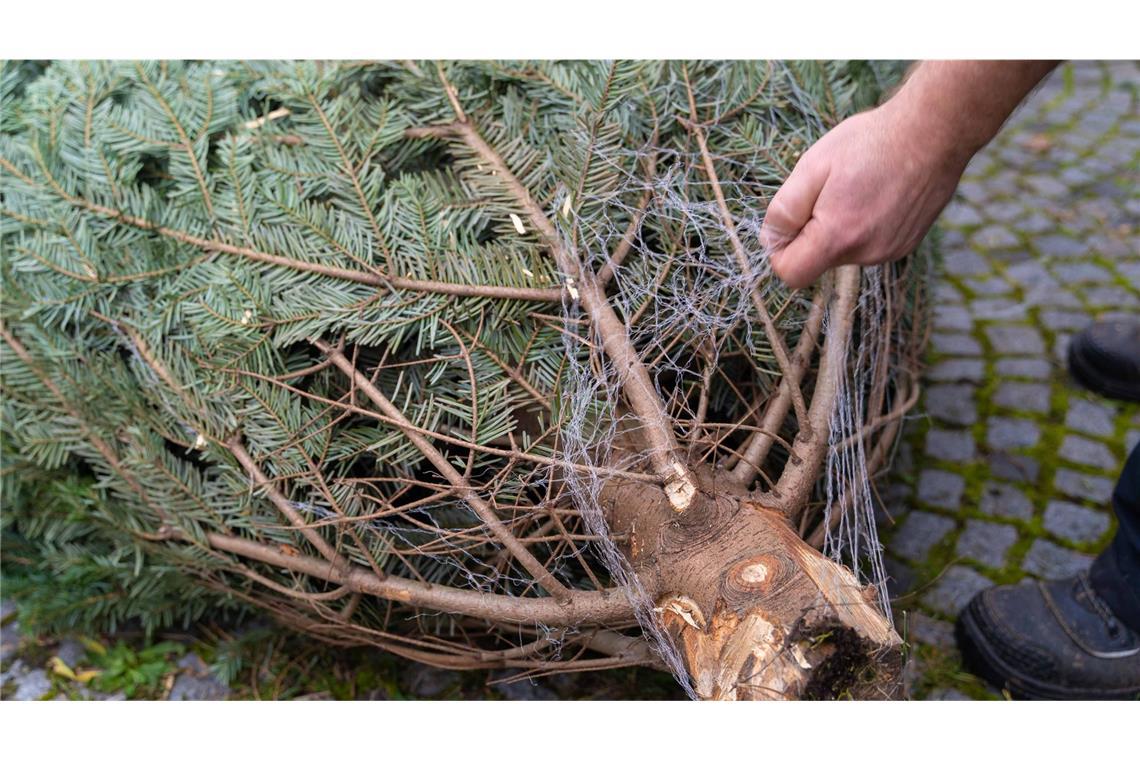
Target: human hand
866,193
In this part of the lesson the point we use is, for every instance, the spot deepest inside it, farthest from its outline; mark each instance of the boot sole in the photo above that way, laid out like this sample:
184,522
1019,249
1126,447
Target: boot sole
981,659
1095,381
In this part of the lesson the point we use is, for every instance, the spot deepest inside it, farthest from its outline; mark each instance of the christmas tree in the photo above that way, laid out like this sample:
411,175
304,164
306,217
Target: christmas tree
480,363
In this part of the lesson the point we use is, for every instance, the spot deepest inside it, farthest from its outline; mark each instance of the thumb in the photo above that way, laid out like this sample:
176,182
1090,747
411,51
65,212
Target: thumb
791,207
810,254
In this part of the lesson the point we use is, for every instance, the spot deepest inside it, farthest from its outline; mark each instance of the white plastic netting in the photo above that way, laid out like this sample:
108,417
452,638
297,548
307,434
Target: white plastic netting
688,309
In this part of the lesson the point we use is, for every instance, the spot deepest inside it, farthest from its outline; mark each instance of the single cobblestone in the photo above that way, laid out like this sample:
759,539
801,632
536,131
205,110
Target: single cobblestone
944,292
1031,274
1081,486
952,370
1061,347
927,630
1008,340
1090,418
955,344
1066,320
1083,451
896,498
1038,369
919,534
197,682
998,308
939,488
995,237
961,215
952,403
947,695
950,445
1034,224
990,286
1052,295
986,542
1082,272
1058,247
1005,500
427,682
952,318
954,589
900,578
965,262
1005,211
31,684
1025,397
1051,562
523,690
71,653
1047,186
1016,467
1075,523
972,191
9,641
1107,296
1011,433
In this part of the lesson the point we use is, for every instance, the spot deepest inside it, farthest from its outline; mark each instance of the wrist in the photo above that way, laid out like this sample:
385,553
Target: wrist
928,136
953,108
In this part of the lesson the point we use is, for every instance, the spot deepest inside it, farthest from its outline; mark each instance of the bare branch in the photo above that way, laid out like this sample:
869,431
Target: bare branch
775,339
664,452
453,476
596,607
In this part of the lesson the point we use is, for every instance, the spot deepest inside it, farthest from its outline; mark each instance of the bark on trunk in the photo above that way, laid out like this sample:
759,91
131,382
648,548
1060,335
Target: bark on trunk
755,612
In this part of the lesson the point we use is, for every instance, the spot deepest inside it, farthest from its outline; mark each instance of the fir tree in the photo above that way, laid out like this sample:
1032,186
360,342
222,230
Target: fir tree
480,363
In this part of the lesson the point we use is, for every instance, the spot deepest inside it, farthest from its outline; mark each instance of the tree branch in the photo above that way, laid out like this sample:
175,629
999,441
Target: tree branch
104,448
596,607
664,452
760,443
368,278
796,481
453,476
775,340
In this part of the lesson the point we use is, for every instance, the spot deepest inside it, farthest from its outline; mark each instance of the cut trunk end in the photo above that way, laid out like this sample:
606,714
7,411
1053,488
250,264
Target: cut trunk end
754,612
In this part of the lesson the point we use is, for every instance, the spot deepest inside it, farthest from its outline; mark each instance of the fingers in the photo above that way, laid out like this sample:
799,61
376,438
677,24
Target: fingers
811,253
791,208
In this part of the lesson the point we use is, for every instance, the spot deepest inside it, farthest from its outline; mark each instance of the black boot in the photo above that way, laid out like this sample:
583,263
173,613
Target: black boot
1050,640
1105,358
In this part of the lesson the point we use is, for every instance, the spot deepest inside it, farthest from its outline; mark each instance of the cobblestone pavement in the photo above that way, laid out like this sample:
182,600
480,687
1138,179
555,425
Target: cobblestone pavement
1008,472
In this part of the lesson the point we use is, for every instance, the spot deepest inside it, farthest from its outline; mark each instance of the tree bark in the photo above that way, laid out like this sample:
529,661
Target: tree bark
754,611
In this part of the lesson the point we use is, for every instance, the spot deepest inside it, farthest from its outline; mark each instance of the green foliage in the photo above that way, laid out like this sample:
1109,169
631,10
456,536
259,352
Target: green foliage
72,570
138,673
177,234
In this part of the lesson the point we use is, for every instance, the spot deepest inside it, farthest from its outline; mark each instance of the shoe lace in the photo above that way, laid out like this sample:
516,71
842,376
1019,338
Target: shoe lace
1098,605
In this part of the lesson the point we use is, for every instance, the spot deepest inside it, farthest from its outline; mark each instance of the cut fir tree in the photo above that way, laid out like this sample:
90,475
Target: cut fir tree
479,363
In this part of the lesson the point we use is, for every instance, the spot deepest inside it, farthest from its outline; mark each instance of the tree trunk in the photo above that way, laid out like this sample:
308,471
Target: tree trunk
754,611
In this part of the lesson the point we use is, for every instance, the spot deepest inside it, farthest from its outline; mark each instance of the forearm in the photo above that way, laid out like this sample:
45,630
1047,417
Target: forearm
956,107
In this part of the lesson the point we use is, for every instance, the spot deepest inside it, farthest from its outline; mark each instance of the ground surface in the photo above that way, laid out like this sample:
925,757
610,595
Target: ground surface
1008,470
1005,472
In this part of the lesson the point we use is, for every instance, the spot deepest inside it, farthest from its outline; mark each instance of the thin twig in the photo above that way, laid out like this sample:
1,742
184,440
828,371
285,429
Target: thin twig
779,349
552,585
